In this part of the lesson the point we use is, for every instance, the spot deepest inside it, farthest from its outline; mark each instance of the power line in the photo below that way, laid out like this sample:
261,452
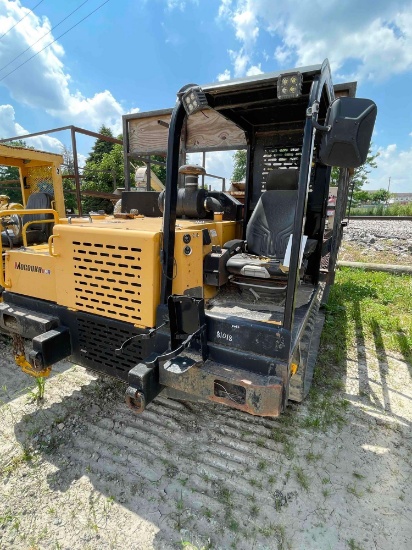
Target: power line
15,24
68,30
52,29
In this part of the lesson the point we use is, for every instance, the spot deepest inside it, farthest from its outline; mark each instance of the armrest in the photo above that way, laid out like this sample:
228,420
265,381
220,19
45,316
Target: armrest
235,246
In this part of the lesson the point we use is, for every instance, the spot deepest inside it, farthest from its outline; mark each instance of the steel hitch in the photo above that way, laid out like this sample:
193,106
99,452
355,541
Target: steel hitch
48,348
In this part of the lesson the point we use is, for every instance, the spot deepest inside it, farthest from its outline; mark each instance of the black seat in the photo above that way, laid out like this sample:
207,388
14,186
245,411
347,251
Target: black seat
269,229
36,232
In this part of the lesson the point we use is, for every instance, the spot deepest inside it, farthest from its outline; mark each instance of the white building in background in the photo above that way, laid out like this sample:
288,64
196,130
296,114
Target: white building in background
400,198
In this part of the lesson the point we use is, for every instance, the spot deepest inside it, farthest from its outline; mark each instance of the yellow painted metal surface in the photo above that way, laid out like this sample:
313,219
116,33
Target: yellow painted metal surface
31,272
109,268
188,268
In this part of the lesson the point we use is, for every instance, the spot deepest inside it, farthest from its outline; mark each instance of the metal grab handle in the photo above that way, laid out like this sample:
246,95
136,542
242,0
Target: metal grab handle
4,258
50,243
69,219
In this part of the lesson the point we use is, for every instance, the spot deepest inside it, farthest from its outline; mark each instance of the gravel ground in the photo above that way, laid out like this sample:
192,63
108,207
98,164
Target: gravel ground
380,241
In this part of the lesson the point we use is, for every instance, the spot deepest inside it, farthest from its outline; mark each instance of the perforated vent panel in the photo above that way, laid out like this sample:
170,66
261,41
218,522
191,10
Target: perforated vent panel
279,157
40,179
98,342
107,279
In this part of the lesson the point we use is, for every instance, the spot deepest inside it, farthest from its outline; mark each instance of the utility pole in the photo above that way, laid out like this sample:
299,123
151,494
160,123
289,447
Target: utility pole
389,185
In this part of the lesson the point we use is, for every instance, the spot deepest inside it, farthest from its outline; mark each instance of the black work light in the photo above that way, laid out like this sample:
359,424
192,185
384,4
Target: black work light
194,99
289,85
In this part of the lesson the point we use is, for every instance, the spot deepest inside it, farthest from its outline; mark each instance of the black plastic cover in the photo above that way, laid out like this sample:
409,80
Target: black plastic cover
347,143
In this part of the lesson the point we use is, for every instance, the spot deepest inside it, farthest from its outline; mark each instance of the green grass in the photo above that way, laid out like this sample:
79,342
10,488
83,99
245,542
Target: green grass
365,309
373,307
383,210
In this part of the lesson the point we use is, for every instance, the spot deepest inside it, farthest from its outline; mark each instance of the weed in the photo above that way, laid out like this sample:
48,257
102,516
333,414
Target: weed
254,483
289,449
261,442
312,457
224,496
262,465
278,436
25,456
325,480
254,511
205,477
271,479
38,395
7,518
302,478
179,512
358,475
353,545
278,532
325,492
352,490
233,525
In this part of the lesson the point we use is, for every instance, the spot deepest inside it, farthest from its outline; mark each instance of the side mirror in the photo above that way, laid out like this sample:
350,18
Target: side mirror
351,121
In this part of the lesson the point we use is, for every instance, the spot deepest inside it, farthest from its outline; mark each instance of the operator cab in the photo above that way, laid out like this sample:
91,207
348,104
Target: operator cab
39,189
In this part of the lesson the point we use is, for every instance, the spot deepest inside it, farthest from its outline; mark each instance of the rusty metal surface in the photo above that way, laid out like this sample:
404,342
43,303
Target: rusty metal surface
247,391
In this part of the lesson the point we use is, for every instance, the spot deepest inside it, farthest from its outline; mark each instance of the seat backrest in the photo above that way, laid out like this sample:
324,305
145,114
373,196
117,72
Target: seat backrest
34,202
271,222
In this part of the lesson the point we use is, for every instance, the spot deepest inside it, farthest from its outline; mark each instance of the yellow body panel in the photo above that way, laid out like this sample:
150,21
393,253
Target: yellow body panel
31,271
107,269
111,267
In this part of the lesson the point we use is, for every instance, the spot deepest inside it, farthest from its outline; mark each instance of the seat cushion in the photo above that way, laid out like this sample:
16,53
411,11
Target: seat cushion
249,265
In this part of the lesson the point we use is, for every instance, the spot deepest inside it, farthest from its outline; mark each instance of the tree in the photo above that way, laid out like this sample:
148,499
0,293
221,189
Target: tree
103,171
159,170
239,165
361,196
360,175
100,146
381,195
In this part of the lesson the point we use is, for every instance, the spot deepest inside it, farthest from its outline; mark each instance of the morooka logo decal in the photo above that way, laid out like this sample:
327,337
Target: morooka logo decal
34,268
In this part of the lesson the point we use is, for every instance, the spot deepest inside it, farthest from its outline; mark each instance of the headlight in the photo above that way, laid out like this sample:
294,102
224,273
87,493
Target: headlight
289,85
194,100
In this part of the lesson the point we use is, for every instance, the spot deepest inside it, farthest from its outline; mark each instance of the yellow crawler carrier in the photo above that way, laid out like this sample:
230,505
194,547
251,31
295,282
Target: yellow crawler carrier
188,292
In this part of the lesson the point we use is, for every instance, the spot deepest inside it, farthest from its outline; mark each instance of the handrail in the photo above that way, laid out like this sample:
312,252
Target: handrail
23,212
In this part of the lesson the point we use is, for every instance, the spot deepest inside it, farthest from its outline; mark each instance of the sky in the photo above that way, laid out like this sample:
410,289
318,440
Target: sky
112,57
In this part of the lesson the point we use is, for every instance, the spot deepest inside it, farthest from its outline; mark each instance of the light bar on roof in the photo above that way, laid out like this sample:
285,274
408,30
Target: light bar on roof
194,100
289,85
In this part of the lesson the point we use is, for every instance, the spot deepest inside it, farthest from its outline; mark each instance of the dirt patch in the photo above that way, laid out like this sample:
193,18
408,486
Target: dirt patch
80,471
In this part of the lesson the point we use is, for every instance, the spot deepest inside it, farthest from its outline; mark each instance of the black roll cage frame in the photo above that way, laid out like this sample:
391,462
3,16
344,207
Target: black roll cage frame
321,81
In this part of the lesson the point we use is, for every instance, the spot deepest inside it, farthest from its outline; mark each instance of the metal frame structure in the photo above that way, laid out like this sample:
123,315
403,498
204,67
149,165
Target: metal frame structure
73,130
